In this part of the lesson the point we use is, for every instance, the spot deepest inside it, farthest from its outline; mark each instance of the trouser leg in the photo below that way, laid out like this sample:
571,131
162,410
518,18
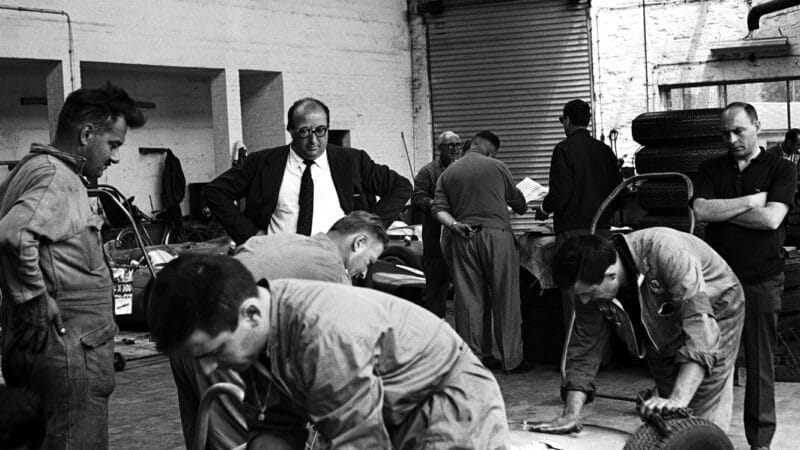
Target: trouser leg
469,288
446,419
437,284
501,264
762,305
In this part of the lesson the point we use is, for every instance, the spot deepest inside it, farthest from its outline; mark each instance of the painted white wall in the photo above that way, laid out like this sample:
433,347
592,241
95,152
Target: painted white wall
680,35
355,55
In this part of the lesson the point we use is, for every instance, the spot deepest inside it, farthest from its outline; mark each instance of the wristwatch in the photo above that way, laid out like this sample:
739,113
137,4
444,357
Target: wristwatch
453,225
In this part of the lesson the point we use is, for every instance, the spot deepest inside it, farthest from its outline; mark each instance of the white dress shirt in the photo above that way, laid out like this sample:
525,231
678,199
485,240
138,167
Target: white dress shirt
326,203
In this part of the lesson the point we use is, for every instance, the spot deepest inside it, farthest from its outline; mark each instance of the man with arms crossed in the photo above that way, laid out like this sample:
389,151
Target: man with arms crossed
745,196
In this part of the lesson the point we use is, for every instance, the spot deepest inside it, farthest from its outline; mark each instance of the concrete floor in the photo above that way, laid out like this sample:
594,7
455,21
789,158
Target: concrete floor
144,411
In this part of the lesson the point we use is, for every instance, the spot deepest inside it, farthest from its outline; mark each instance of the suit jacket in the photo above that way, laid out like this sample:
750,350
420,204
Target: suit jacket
258,179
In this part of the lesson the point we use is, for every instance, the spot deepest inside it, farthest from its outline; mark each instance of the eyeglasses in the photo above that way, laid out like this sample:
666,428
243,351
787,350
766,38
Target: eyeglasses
452,147
305,132
561,119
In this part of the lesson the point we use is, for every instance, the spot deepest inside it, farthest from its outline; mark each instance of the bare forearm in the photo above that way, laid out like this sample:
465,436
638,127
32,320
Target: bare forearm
768,217
445,218
690,375
721,210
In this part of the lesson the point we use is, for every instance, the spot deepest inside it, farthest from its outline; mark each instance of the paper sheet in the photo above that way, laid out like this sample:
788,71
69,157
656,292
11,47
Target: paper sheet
532,190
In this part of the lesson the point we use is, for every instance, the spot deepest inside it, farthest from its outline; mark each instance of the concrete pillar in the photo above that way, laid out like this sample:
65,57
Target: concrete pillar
58,88
226,116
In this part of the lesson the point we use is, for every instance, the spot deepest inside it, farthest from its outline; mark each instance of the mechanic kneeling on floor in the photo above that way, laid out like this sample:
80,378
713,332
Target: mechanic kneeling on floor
367,369
669,296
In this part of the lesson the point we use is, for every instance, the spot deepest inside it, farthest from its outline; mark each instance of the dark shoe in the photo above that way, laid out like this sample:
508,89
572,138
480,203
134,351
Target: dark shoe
492,363
523,367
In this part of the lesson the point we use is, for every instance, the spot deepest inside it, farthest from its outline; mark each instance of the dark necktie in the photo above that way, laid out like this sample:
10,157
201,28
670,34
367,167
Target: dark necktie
306,215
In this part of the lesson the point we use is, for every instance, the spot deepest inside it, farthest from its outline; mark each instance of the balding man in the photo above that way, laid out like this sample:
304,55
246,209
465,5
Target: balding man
471,201
437,275
745,196
306,186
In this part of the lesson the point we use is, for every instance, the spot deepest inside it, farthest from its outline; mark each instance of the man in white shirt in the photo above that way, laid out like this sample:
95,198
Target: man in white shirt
340,180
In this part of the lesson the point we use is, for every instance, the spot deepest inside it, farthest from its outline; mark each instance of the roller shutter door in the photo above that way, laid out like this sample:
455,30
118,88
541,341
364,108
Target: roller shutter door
509,67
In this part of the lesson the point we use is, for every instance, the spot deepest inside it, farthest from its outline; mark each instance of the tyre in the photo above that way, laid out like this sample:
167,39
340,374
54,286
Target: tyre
686,433
683,158
663,194
790,300
690,125
791,272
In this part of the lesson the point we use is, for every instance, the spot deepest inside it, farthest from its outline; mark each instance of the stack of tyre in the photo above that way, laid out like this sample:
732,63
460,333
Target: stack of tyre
674,141
787,356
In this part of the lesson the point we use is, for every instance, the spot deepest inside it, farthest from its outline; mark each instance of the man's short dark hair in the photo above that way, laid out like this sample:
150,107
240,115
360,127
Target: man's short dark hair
361,221
488,136
578,112
197,292
22,419
749,109
303,102
583,258
792,135
101,107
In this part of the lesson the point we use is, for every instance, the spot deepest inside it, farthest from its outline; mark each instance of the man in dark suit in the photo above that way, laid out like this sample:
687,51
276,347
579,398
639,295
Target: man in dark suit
277,183
583,171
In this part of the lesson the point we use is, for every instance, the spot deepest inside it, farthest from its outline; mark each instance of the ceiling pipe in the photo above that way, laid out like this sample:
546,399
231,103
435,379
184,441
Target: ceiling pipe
70,40
765,8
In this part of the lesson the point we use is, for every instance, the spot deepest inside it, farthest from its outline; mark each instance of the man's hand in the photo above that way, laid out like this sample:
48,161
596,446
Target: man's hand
463,230
32,321
540,214
559,425
660,405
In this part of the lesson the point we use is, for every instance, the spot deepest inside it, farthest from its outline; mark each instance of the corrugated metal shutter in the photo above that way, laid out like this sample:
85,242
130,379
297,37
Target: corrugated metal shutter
509,67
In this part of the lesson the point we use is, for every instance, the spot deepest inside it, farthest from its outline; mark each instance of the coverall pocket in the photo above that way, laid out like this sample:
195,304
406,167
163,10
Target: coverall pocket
92,245
98,350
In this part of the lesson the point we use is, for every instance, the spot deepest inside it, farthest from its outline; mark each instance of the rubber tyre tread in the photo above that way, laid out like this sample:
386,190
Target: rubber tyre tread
684,158
790,301
789,321
687,433
688,125
791,272
663,194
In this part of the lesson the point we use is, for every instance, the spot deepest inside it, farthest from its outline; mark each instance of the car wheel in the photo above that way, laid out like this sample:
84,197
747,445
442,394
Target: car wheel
684,433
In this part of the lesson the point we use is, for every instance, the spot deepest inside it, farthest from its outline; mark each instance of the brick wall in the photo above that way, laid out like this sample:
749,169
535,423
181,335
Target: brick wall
354,55
680,34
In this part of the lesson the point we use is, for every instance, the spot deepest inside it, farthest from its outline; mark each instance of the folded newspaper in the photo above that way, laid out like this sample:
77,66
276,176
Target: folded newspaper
532,190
